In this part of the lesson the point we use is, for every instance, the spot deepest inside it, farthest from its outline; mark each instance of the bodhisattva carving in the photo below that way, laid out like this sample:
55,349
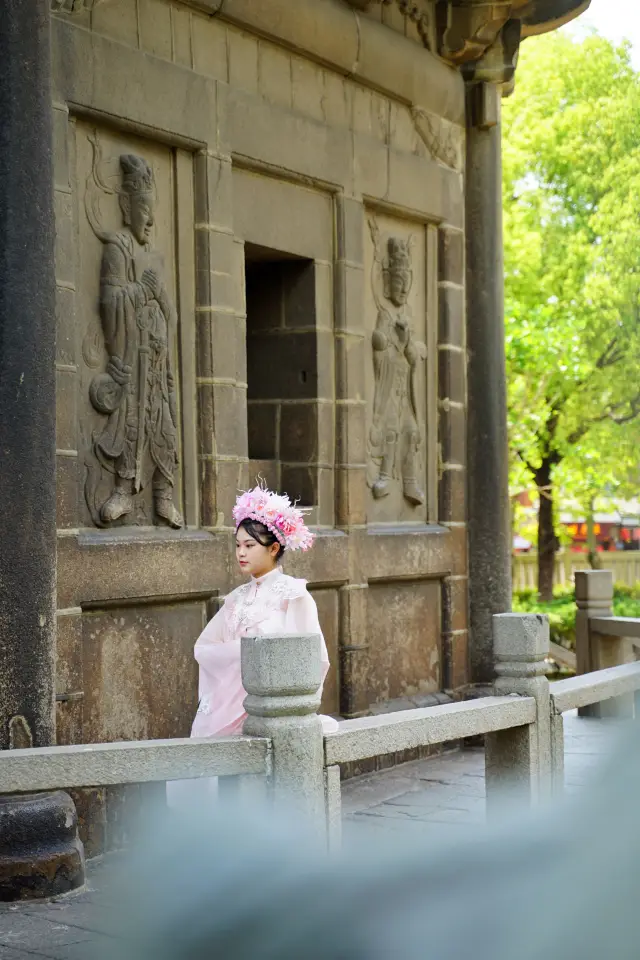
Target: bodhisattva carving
395,435
137,445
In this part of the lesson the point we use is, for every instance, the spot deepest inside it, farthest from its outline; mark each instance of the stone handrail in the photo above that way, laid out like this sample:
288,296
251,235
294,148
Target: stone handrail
590,688
607,681
408,729
106,764
616,626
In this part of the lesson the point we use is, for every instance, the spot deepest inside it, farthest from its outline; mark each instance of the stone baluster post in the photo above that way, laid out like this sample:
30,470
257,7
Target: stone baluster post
283,676
518,761
594,598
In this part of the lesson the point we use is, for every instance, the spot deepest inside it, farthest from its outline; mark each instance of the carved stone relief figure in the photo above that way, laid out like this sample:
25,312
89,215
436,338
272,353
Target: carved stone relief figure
395,435
137,444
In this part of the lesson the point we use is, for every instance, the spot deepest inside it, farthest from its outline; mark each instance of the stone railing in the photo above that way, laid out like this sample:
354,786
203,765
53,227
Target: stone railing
284,758
602,640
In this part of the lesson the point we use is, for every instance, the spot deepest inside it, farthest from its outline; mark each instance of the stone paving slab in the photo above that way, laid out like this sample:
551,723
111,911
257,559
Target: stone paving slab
441,798
444,798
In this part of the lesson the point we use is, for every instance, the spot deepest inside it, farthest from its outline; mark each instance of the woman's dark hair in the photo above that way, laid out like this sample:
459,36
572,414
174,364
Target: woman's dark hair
257,531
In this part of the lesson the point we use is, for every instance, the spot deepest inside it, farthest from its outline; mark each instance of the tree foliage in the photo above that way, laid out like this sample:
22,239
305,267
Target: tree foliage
571,154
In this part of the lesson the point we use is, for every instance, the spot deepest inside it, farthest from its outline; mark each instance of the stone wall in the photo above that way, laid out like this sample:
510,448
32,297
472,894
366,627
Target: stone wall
298,314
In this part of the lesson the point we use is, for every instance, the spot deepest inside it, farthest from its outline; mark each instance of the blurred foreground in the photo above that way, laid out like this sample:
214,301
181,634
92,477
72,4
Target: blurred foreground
420,875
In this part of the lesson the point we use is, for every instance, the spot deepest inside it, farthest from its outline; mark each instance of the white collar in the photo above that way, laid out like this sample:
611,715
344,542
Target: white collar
276,572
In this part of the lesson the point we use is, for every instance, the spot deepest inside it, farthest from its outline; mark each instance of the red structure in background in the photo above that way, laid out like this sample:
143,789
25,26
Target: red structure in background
612,531
612,534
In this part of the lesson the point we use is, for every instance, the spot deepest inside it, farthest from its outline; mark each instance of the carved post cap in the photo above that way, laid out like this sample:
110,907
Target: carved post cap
520,644
594,586
281,674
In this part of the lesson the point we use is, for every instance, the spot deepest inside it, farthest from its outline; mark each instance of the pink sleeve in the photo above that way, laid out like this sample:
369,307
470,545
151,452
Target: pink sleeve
212,634
302,617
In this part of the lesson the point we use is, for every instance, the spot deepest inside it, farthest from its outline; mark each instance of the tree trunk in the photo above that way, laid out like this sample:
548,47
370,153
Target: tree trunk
592,544
547,540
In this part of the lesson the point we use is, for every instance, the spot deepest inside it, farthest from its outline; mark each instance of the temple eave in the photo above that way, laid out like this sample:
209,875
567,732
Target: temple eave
548,15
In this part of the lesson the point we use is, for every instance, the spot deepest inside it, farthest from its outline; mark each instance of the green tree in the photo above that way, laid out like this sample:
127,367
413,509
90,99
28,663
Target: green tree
572,267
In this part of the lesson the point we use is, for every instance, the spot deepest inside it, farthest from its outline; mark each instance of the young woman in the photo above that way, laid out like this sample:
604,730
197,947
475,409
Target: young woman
271,602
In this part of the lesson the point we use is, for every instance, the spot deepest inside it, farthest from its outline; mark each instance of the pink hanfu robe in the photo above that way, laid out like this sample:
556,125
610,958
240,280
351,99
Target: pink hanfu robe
273,604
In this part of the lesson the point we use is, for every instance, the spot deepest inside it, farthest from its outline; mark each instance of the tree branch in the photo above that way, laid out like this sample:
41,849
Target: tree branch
611,414
611,355
526,462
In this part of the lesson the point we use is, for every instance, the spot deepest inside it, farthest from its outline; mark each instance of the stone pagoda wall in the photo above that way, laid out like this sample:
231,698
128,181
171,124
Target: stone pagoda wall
297,313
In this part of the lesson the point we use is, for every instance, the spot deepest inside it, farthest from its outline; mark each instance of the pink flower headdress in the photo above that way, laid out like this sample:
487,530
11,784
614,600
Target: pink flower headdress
278,514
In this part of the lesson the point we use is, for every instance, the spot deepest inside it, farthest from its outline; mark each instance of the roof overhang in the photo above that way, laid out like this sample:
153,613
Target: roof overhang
542,16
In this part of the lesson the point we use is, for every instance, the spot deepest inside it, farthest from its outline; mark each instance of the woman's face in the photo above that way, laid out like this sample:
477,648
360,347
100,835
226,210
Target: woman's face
252,557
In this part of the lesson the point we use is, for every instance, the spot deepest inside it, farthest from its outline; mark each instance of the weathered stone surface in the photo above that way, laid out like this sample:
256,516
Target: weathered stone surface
328,563
328,614
299,432
456,654
121,652
452,432
451,324
452,364
69,651
41,855
111,79
519,760
407,552
27,441
488,495
263,431
138,565
585,690
455,600
383,59
90,804
403,639
308,88
243,61
351,444
67,490
419,184
307,231
154,28
282,677
460,549
452,489
451,256
372,736
210,47
117,20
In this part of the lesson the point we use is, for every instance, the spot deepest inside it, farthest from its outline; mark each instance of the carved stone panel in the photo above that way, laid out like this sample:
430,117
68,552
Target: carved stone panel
129,417
396,324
